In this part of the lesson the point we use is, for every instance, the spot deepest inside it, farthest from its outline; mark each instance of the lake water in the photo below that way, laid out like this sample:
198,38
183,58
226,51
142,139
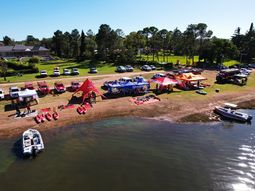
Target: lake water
132,154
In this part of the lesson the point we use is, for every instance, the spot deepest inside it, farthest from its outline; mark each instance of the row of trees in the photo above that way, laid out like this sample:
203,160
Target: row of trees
114,46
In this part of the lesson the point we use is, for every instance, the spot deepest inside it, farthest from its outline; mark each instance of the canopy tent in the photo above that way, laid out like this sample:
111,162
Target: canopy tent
190,77
27,95
86,88
128,87
165,81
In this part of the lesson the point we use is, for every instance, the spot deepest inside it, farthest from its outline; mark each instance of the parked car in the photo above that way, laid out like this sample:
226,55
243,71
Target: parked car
29,85
14,92
159,75
75,71
1,94
125,80
66,72
43,73
146,68
245,71
120,69
43,88
75,85
139,79
107,83
231,76
153,67
59,87
129,68
56,71
93,70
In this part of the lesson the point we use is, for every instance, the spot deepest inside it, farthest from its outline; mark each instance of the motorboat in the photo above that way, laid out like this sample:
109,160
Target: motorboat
32,142
233,114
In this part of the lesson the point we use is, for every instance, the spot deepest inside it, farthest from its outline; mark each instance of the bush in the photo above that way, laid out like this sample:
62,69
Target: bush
34,60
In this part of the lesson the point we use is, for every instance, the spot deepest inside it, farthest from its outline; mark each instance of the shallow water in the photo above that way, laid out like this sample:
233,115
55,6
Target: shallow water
125,154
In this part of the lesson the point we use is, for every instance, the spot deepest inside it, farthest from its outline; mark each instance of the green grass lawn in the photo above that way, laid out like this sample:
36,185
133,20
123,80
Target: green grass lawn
69,64
231,62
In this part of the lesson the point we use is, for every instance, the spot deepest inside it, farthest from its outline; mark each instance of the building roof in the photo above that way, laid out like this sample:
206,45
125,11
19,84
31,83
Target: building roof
22,48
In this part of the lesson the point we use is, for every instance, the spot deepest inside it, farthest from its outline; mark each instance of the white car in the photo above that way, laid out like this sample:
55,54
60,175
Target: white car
1,94
56,72
75,71
43,73
14,92
66,72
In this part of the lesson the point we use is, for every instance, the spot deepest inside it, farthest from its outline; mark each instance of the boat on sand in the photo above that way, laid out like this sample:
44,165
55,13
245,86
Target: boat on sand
233,114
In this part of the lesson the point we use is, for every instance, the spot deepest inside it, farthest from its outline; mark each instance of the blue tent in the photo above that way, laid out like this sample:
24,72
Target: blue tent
128,87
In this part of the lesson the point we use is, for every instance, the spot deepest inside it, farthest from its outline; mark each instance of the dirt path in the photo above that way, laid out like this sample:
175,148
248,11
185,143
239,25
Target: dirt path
81,78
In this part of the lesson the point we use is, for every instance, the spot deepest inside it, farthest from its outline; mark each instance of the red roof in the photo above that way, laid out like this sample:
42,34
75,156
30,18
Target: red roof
165,81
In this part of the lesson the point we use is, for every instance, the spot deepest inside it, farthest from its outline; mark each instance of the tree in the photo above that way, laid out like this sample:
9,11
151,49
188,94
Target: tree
82,46
75,37
202,34
190,35
163,40
57,43
4,68
7,41
177,42
31,40
106,41
219,49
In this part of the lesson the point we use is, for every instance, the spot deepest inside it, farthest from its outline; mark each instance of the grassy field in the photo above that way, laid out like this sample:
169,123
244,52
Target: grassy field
62,64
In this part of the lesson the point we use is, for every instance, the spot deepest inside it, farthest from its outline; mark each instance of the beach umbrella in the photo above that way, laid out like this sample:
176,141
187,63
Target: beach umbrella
165,81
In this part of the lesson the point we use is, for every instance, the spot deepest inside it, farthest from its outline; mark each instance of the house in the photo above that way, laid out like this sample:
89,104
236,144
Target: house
23,51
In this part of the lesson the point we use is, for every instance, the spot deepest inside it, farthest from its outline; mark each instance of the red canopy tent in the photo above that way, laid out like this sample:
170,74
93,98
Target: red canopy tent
87,87
165,81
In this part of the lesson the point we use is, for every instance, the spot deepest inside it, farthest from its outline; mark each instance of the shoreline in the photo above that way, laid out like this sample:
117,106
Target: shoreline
176,107
200,117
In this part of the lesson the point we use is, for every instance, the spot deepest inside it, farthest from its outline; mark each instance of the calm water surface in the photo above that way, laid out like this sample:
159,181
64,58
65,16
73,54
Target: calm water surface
131,154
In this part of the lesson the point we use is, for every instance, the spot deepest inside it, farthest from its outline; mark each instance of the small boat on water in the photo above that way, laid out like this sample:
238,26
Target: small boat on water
232,114
32,142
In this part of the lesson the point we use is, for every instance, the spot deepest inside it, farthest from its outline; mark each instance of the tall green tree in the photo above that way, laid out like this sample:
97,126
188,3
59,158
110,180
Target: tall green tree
31,40
203,35
57,43
83,45
106,41
7,41
75,38
3,68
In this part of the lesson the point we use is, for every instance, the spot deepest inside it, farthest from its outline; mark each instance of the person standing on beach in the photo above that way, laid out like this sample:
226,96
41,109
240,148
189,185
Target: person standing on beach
28,109
17,110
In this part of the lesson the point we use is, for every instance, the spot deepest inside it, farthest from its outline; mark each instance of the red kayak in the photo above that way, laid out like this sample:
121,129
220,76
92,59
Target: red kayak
38,119
48,116
42,118
80,110
55,115
84,109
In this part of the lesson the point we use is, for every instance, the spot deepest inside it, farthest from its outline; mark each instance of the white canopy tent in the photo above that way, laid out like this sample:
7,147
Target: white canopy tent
28,95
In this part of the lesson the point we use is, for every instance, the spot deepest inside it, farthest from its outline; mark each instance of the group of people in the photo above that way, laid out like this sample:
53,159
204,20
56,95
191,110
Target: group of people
18,112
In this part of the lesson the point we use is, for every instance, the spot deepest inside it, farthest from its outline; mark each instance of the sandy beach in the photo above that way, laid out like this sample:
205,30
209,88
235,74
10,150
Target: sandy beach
178,106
